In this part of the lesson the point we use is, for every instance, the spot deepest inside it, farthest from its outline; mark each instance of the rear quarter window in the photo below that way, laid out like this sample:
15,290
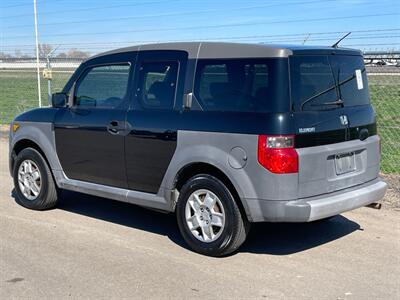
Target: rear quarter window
242,85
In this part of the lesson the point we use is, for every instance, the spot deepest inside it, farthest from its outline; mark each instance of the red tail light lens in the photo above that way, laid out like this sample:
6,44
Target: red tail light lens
277,154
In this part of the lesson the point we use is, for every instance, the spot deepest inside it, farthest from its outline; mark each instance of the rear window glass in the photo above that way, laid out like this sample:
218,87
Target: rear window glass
327,82
245,85
352,78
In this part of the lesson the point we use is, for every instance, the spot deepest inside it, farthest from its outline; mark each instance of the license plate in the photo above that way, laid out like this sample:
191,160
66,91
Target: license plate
345,163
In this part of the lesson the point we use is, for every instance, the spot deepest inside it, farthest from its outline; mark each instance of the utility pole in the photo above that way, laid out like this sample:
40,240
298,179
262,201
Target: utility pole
37,53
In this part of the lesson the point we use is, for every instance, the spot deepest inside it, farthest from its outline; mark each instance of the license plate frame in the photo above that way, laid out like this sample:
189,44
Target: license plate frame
345,163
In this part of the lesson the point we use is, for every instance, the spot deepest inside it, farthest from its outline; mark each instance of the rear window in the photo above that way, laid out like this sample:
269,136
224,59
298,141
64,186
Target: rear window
351,75
328,82
245,85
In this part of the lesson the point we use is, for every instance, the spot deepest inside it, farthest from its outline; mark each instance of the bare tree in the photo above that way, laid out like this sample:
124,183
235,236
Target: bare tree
62,55
17,53
77,53
5,55
44,50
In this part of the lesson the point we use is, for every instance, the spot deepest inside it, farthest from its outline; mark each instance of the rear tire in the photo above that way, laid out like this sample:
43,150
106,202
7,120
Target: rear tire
208,217
33,181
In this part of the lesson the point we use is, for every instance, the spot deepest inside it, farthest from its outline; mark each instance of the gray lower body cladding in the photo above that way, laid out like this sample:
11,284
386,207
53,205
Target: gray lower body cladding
319,207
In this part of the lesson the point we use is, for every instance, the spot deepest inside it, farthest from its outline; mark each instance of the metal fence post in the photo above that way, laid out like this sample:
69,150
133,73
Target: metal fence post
48,66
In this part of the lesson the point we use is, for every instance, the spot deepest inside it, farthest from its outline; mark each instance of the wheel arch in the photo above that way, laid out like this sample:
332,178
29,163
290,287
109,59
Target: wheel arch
196,168
39,136
21,145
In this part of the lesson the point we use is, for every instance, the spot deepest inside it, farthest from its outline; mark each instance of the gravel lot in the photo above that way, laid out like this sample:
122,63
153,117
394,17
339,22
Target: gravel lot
91,248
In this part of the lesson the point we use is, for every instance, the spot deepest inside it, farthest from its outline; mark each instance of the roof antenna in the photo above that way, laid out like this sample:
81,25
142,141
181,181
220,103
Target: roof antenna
306,38
335,45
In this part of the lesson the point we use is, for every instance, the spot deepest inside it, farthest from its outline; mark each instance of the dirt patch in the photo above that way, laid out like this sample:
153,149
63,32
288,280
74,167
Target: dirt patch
392,197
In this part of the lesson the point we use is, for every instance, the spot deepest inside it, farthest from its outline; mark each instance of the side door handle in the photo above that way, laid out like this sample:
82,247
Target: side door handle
113,127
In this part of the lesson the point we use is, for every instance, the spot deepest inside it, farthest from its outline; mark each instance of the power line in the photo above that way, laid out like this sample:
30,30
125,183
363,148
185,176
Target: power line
255,38
93,8
366,45
30,4
171,14
140,4
213,26
282,36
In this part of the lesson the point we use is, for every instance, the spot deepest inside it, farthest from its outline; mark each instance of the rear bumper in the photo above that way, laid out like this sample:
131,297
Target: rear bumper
319,207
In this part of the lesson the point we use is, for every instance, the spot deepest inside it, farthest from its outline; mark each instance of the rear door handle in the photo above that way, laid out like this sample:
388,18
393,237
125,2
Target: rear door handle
113,127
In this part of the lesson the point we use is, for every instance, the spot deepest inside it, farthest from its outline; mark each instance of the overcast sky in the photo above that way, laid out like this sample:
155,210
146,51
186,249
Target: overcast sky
98,25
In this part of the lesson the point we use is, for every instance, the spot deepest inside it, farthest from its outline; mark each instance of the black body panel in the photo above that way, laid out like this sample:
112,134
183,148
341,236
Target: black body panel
149,148
328,128
90,140
44,114
152,138
87,150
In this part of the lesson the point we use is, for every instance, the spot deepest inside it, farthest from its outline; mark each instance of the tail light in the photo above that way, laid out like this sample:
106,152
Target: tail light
277,154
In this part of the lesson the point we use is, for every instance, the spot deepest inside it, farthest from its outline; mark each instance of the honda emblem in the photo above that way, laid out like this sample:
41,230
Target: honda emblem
344,120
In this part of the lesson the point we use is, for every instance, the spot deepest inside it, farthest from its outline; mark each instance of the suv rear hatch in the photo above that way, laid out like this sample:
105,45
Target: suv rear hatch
336,129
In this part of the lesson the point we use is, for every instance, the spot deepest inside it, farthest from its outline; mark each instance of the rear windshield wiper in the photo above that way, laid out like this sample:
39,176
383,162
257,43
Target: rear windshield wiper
317,95
336,102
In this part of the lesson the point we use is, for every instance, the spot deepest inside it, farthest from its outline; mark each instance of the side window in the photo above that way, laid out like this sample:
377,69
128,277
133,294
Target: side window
241,85
157,84
103,86
211,77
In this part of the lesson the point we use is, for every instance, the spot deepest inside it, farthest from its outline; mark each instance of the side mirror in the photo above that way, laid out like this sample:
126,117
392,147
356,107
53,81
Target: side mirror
187,101
59,100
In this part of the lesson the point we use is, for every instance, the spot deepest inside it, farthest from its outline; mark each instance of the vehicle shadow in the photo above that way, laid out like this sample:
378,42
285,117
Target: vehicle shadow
264,238
289,238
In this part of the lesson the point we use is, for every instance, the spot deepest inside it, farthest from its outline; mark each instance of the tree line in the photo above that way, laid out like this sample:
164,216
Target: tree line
44,50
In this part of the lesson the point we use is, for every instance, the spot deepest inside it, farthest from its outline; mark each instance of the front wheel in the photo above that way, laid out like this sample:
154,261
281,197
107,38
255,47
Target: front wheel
33,181
208,217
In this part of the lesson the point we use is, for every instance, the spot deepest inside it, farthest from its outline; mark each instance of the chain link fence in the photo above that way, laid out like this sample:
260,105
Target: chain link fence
18,93
384,86
18,83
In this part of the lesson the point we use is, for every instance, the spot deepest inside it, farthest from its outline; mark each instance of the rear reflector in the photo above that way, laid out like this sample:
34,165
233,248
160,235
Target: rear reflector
277,154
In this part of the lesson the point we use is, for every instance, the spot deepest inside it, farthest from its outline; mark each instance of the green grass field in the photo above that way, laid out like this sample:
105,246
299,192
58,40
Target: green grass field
18,93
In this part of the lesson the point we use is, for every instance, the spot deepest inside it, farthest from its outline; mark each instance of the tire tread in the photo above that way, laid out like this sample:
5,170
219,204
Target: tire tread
240,226
50,198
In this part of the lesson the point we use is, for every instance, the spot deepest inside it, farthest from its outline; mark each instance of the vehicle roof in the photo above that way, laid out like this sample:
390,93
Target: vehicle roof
205,50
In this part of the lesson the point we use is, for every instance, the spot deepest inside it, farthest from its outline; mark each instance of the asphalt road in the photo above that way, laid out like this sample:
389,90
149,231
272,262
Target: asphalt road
100,249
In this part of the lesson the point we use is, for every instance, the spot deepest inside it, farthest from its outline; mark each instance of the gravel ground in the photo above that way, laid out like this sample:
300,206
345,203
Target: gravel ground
392,197
4,131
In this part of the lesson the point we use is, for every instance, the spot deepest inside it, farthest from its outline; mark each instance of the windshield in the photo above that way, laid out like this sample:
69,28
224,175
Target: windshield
328,82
